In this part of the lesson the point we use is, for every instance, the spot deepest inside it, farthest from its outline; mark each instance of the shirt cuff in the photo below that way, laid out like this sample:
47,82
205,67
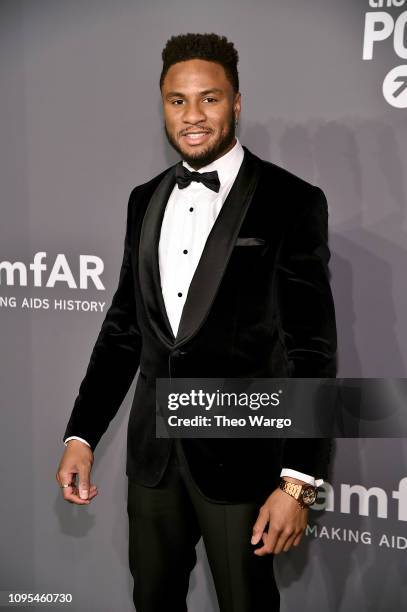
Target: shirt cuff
76,438
305,477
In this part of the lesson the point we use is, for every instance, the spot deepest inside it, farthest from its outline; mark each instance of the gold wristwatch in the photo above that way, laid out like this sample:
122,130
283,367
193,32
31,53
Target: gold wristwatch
305,494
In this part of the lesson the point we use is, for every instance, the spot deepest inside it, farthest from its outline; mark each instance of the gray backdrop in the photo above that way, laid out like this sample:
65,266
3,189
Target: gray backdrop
81,125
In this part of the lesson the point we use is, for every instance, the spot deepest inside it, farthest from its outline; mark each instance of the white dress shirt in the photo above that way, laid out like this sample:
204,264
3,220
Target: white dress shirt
188,219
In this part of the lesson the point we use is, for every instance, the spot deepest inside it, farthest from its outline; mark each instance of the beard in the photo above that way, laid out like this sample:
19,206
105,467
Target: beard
210,153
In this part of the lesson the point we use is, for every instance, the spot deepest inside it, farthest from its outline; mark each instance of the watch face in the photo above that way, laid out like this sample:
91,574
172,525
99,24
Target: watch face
309,496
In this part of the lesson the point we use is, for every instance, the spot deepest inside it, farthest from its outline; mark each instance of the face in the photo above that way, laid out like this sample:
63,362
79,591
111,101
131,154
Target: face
200,109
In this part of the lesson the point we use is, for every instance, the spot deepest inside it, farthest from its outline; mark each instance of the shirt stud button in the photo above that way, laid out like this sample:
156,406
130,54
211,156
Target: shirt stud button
179,294
185,251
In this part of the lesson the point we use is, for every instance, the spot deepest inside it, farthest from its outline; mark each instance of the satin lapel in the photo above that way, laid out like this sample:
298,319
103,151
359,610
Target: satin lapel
218,249
149,270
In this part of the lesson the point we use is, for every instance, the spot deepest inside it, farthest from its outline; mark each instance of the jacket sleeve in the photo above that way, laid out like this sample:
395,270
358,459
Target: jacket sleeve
114,359
307,318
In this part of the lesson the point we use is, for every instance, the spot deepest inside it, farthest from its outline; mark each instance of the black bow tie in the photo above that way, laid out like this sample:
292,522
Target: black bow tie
184,177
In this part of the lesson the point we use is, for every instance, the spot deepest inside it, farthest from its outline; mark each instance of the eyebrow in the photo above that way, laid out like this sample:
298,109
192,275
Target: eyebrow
205,92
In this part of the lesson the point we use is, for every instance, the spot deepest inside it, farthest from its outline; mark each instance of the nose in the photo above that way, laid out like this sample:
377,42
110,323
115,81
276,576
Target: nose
193,113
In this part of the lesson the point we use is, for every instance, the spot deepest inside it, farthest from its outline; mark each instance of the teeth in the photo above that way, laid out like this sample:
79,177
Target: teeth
195,135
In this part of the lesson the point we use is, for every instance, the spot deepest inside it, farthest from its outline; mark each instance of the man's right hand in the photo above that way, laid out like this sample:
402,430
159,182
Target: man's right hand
76,463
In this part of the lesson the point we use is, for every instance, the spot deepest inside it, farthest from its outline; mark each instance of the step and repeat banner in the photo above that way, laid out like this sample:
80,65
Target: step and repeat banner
324,94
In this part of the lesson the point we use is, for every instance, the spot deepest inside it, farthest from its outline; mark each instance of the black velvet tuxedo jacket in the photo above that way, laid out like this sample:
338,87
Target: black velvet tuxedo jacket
259,305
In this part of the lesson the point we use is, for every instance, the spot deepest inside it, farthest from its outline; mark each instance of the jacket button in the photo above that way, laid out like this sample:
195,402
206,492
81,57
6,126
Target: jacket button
177,353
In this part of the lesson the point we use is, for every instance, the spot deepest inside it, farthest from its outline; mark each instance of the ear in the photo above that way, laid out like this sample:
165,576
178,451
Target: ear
237,105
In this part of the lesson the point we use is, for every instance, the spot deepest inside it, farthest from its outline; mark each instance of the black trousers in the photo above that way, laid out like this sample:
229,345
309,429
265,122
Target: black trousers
165,524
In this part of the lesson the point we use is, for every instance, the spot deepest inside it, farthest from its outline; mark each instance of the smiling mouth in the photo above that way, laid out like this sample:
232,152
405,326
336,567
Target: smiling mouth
196,137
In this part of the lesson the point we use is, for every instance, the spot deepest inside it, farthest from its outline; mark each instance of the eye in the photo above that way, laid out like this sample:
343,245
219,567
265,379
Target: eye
175,102
210,99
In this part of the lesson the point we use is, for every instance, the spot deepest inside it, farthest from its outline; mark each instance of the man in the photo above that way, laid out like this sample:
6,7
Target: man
224,274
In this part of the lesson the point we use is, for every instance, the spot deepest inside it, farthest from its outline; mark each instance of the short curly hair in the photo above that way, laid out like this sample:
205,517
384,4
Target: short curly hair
210,47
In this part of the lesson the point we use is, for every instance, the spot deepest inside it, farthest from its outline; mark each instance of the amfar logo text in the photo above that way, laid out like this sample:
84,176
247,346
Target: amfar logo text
380,26
365,498
17,273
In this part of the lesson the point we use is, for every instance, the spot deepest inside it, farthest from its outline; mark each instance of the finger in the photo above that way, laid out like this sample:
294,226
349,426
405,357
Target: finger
289,543
283,540
67,482
259,526
74,498
64,477
84,481
70,493
93,491
297,540
269,541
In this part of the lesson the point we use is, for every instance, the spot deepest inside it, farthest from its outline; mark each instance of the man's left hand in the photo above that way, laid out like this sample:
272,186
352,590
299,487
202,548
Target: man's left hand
286,523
